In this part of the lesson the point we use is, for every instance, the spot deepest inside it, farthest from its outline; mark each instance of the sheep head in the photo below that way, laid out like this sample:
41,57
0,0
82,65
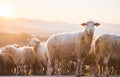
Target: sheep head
89,26
8,49
34,42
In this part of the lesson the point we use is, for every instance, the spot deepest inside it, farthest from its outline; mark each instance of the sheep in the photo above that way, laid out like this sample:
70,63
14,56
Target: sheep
41,53
106,46
6,64
21,56
70,44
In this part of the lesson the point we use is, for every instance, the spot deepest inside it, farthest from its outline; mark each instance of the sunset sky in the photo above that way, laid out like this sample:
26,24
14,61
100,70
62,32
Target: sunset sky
71,11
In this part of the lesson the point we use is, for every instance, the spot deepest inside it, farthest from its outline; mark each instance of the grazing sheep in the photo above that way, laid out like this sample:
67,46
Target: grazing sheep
21,56
107,46
6,64
66,45
41,54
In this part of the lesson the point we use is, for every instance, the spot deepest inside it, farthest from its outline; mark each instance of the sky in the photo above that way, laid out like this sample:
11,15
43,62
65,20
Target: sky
71,11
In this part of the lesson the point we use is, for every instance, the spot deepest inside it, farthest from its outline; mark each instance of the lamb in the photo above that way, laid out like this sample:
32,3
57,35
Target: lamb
41,53
21,56
107,46
72,44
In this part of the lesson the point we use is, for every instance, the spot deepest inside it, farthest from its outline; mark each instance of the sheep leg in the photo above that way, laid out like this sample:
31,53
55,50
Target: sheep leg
17,70
77,69
58,68
24,68
107,71
102,70
106,65
30,69
96,67
70,66
81,66
34,69
50,67
44,69
40,68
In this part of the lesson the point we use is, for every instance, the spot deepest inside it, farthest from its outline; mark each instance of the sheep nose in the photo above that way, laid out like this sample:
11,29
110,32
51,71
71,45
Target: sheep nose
91,31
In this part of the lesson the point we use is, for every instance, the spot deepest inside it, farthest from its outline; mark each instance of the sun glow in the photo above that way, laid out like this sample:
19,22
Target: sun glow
7,11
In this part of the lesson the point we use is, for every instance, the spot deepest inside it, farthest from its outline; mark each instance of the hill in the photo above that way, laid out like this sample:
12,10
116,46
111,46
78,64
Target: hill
46,29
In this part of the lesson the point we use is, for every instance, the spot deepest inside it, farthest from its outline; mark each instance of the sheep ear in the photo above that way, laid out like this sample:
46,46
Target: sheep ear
83,24
97,24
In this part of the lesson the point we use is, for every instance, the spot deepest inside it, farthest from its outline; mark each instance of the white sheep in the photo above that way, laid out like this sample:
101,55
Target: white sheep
71,44
41,53
106,46
21,56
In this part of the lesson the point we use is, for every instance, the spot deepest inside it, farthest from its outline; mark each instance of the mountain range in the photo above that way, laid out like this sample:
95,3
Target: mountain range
45,28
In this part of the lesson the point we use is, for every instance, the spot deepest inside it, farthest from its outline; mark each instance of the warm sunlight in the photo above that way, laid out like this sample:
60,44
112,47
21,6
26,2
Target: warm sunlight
7,11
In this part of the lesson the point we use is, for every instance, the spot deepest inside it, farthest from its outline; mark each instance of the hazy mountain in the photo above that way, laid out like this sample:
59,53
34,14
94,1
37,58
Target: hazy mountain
107,28
45,29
